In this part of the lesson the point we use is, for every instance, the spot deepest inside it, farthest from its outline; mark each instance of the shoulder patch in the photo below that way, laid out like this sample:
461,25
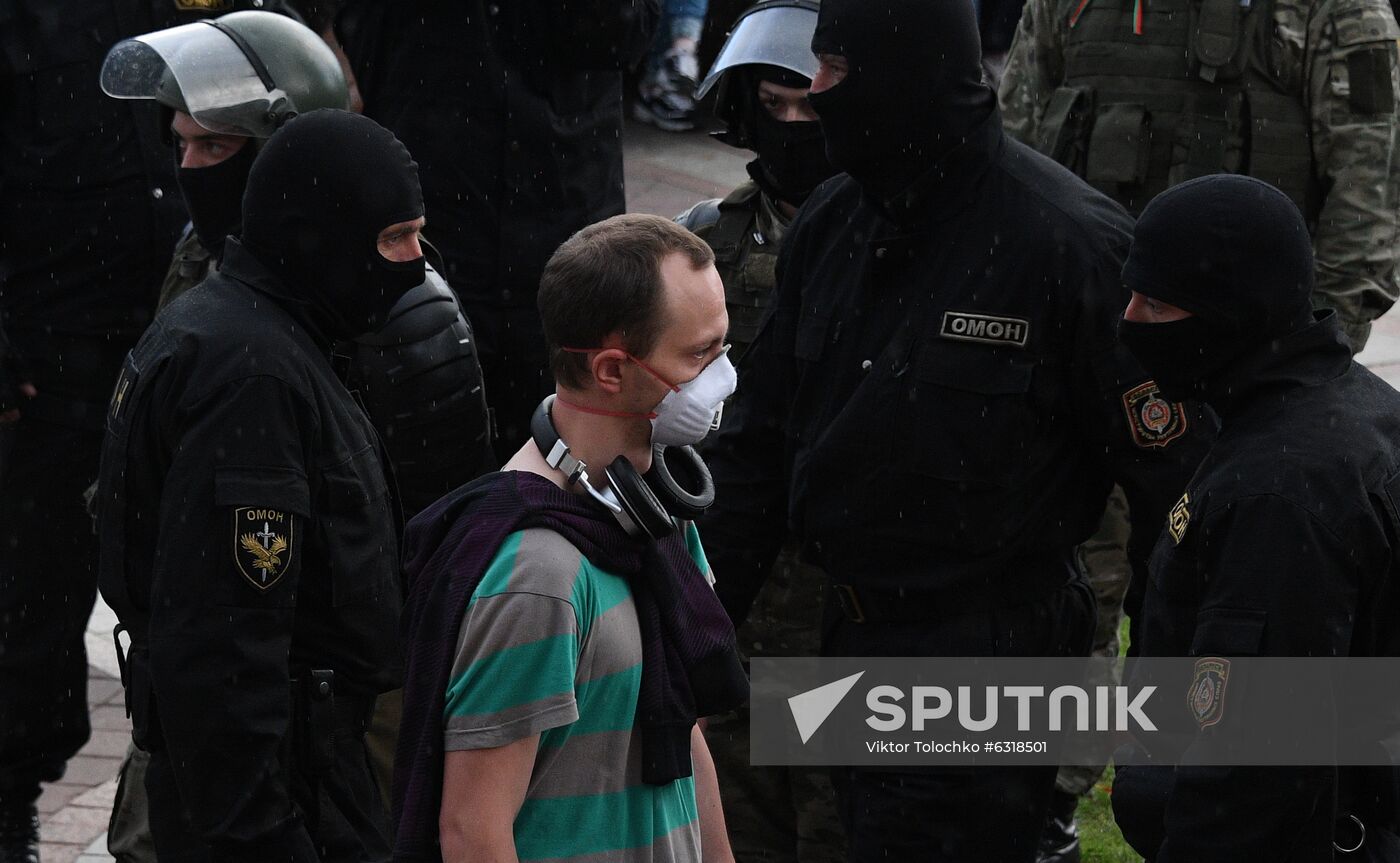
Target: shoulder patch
262,544
1368,73
1179,518
117,406
1206,697
987,329
1153,420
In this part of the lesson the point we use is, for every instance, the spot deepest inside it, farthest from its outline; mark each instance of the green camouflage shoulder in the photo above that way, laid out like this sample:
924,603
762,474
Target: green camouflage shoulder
1034,66
1351,83
190,264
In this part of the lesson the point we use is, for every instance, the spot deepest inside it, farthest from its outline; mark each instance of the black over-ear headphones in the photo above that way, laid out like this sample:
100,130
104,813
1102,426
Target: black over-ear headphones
644,505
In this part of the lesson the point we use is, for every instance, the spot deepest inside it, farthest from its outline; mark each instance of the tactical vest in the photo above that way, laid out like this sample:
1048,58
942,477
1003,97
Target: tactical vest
1157,92
746,257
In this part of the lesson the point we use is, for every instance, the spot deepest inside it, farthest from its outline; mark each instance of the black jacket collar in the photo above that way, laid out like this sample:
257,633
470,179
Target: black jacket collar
947,187
1313,355
240,265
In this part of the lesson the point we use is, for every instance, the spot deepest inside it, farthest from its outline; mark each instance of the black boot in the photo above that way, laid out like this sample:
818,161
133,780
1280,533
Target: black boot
19,829
1059,839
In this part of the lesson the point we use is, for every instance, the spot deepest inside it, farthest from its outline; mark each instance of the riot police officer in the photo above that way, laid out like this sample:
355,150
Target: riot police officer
761,77
88,213
417,374
246,520
1136,97
1284,541
937,405
514,111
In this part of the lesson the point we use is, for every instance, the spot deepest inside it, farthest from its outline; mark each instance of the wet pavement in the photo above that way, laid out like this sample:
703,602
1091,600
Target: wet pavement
666,173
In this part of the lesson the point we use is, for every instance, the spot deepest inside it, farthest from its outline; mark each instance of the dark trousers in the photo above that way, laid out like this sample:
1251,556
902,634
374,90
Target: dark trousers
48,581
341,810
957,814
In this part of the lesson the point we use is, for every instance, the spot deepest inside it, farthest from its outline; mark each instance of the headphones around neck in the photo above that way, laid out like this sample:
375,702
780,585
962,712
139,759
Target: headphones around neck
645,505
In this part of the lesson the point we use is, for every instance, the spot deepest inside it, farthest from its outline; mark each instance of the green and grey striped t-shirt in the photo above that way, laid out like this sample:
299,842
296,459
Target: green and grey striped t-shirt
550,645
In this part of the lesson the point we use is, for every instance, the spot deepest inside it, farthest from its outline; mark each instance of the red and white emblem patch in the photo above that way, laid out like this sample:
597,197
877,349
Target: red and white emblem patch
1153,420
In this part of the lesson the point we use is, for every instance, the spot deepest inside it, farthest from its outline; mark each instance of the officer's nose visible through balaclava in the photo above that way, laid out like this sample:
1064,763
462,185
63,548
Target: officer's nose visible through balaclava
913,92
319,194
1233,251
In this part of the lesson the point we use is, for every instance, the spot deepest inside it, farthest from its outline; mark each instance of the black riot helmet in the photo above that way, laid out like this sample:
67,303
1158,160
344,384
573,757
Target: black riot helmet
776,34
245,73
771,42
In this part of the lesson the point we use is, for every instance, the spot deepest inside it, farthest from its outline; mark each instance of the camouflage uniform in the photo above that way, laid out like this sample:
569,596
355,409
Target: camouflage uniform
1104,558
783,814
1299,93
191,263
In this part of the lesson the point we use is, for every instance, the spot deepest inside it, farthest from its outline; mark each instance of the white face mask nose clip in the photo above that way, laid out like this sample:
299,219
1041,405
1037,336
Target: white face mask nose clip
694,409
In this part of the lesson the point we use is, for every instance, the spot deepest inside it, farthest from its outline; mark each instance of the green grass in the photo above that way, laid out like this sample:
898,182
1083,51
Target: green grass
1099,839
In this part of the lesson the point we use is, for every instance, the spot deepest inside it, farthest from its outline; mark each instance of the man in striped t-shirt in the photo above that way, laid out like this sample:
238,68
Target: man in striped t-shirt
544,744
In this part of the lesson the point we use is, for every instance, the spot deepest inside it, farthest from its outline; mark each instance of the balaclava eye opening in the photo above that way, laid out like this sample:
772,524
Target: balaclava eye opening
318,196
914,88
792,157
214,195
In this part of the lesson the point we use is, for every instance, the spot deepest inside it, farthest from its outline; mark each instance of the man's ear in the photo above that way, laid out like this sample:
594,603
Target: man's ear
607,369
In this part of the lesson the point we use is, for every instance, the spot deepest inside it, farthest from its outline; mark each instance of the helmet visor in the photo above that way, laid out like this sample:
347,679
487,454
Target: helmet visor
198,69
771,36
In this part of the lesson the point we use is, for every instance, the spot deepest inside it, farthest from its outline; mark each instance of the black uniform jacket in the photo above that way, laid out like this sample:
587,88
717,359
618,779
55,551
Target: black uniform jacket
247,535
938,404
89,207
514,114
1283,544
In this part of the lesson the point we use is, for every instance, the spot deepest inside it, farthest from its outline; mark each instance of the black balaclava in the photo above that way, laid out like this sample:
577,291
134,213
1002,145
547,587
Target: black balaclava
320,192
1233,251
791,156
913,92
214,195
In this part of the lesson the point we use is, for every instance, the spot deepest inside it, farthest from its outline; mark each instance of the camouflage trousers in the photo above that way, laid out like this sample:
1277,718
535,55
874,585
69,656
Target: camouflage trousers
778,814
1104,557
381,741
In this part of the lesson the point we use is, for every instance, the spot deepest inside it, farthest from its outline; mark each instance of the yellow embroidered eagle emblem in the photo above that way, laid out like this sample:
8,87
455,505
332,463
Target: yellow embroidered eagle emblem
262,545
265,559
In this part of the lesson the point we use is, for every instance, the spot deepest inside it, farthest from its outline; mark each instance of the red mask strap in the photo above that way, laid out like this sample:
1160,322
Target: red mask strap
649,370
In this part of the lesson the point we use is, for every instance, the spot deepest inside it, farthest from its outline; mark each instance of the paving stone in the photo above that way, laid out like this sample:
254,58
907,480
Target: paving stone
107,743
55,797
53,852
102,689
100,797
110,717
90,770
74,829
92,818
